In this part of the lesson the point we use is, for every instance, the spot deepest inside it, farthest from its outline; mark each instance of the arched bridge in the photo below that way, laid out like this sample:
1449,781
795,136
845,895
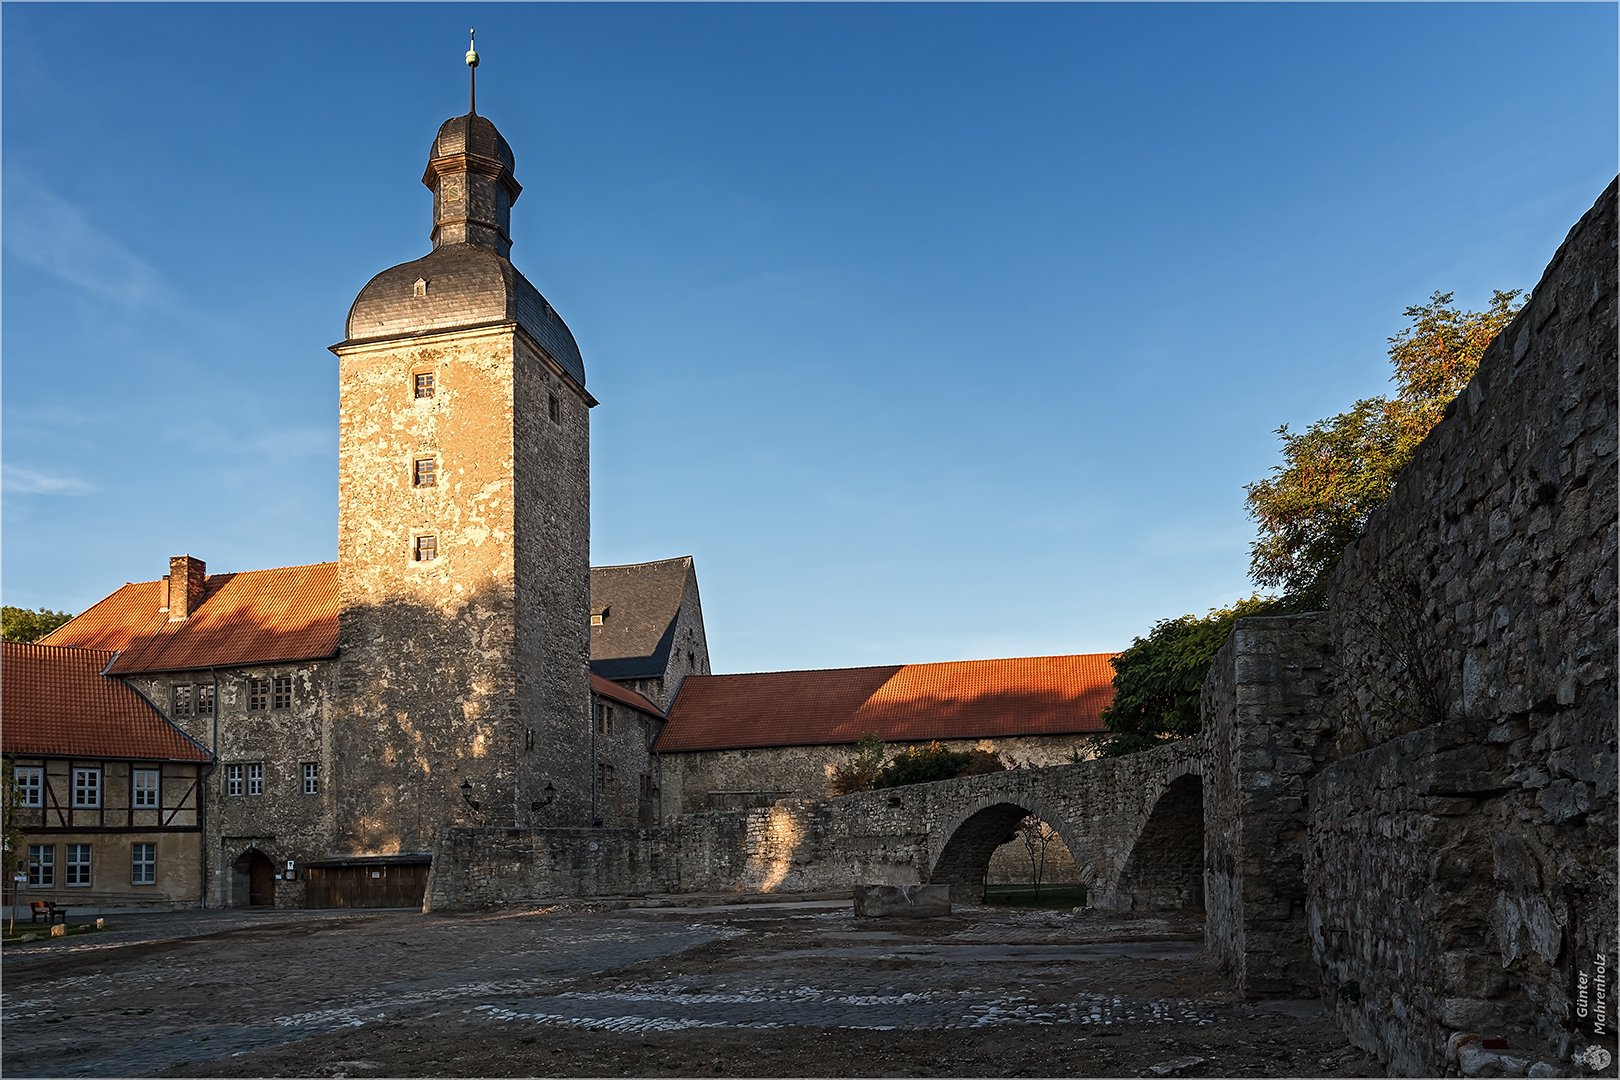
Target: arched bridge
1134,825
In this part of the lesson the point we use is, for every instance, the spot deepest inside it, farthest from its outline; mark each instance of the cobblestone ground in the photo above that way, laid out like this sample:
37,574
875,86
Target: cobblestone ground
777,990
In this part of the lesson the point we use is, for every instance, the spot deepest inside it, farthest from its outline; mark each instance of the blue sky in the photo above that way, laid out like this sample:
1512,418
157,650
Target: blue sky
933,332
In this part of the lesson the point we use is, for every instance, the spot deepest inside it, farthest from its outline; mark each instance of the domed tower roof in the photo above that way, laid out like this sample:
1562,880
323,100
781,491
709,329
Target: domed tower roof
467,280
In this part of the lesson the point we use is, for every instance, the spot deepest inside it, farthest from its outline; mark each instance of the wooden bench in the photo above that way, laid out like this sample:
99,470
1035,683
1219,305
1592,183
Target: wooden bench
48,911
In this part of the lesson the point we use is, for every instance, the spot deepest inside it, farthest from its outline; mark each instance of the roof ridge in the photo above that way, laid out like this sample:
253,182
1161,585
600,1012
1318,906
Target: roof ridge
920,663
649,562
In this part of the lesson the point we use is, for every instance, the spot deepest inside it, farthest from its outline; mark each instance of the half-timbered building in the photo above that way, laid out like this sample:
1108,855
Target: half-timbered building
110,792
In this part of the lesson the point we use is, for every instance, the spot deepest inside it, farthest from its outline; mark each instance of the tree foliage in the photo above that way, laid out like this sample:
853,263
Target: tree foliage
868,770
1157,679
20,624
1338,470
11,837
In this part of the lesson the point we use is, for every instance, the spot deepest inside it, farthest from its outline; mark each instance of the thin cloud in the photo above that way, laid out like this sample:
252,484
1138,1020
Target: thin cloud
46,231
27,481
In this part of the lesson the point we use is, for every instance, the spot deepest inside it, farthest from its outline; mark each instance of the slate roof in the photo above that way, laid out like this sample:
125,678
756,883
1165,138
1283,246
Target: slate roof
467,286
618,693
55,702
641,601
255,617
906,703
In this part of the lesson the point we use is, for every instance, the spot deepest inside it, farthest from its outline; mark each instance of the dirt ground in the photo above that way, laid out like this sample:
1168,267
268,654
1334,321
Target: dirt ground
779,990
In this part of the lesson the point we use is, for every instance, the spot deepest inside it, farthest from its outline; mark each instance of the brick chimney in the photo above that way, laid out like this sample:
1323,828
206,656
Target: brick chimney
185,584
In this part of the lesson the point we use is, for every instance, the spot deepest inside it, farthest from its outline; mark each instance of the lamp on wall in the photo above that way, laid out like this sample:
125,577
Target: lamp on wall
540,804
466,795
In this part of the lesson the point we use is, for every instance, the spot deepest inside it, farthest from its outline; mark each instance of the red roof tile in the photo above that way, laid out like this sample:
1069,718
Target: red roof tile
624,697
971,699
55,702
255,617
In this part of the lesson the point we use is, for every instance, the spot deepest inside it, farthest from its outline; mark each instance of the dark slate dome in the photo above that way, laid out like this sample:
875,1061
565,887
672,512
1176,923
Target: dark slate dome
463,286
472,134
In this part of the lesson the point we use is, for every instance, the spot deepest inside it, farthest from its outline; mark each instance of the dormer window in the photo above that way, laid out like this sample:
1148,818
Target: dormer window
421,286
598,615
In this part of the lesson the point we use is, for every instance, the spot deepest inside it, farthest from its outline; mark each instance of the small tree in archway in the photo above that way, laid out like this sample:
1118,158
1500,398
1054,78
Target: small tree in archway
1037,836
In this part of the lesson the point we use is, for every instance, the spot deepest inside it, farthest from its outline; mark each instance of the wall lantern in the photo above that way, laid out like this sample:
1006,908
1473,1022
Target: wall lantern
540,804
466,795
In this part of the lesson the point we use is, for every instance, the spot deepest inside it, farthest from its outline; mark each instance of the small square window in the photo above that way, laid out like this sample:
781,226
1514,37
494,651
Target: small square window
31,786
312,778
205,700
426,549
180,696
283,698
42,865
255,779
258,695
146,787
233,779
86,787
423,472
596,620
424,385
78,865
554,409
143,864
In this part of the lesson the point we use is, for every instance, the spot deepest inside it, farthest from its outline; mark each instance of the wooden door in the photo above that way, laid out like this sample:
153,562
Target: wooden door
261,882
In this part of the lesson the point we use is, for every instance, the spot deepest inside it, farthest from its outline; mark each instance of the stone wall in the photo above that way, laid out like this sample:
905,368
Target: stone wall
936,833
711,779
1267,728
1462,873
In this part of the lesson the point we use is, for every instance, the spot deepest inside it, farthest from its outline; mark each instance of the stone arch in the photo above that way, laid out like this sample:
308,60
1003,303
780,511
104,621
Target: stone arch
253,879
1164,870
972,836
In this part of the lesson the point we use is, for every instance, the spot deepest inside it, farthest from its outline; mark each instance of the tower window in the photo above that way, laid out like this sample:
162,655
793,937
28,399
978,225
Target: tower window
422,472
312,778
426,549
424,385
255,778
554,409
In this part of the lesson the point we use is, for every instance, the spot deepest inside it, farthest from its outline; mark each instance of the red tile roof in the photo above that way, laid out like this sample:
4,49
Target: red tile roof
618,693
55,702
255,617
1036,695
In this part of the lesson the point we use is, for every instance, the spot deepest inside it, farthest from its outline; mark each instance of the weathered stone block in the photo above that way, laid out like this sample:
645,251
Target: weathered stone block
902,901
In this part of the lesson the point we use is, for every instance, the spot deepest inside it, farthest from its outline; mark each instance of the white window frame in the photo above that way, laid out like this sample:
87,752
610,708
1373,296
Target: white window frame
86,789
42,866
143,871
80,863
31,784
311,771
146,796
255,778
233,779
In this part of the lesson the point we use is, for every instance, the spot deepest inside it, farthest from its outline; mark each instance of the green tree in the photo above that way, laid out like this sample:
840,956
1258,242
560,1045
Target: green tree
1338,470
1157,679
20,624
11,837
862,772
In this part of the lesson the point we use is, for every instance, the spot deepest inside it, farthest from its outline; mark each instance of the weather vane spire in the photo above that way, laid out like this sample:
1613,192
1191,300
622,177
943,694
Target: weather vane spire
472,71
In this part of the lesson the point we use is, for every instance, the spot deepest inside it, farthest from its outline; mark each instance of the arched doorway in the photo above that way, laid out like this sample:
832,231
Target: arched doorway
1165,871
967,853
256,874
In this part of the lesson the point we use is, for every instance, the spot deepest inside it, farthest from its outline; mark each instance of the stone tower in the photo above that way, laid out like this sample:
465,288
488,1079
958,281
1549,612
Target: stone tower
463,531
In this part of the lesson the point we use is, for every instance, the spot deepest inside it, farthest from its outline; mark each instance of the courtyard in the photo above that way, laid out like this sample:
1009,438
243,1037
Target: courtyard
779,989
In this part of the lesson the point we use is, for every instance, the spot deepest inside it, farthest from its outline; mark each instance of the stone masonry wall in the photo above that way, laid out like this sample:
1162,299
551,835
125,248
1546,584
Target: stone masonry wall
1267,728
1463,874
919,834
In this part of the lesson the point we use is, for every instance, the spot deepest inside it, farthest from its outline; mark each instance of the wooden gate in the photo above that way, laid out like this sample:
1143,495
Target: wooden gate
386,886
